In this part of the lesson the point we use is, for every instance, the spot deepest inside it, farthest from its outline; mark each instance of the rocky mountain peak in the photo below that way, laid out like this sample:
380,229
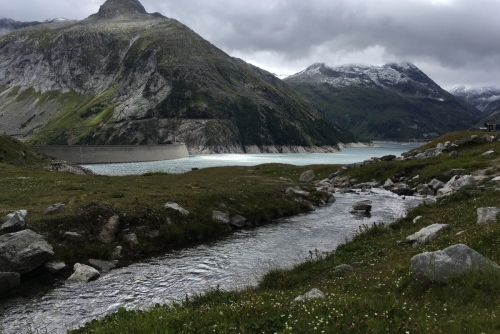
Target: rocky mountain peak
115,8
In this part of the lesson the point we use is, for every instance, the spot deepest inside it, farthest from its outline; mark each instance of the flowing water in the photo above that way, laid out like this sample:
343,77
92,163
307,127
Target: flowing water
235,262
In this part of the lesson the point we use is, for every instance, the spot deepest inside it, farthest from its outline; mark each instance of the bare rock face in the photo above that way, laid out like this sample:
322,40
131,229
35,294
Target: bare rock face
23,251
448,263
114,8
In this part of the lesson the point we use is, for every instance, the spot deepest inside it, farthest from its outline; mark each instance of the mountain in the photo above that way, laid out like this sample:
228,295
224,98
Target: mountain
485,99
123,76
389,102
8,25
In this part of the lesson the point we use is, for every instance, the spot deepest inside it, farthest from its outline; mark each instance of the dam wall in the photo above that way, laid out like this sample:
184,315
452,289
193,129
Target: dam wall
102,154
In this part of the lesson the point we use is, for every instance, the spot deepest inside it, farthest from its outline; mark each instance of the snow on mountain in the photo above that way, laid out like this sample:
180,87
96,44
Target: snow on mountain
405,77
486,99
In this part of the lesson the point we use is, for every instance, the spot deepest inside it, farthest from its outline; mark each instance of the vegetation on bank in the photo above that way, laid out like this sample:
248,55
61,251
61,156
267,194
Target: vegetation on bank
379,295
256,193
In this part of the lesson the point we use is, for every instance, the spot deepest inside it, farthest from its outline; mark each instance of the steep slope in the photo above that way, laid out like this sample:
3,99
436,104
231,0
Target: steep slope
390,102
123,76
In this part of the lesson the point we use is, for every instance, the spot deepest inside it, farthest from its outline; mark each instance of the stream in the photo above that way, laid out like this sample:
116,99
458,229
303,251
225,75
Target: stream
235,262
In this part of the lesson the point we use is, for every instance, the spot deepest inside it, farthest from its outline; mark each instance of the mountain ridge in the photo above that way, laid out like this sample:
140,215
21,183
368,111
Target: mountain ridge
395,101
136,78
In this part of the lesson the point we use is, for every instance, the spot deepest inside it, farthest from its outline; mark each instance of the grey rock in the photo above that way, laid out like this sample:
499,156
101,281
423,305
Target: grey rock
426,234
423,189
343,268
456,183
55,208
221,217
238,221
8,281
488,152
362,207
496,179
108,232
451,262
131,239
117,252
388,157
55,266
307,176
83,273
388,184
177,207
416,219
486,215
420,156
23,251
453,154
436,184
313,293
296,192
73,236
331,199
102,266
14,222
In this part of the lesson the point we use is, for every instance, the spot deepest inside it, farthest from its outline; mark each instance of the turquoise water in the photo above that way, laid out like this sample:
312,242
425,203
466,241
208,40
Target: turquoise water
346,156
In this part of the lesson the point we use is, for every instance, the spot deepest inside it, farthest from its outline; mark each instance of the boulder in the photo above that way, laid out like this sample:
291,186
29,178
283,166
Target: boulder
55,208
177,207
23,251
117,252
488,152
451,262
388,157
295,192
102,266
221,217
131,239
436,184
55,266
427,233
456,183
314,293
453,154
307,176
238,221
108,232
362,207
8,281
83,273
486,215
343,268
388,184
424,189
14,222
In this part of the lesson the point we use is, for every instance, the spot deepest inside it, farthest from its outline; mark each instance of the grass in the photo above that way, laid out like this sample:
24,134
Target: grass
257,193
378,296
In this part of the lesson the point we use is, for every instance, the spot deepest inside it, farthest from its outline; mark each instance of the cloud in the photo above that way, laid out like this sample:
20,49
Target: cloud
445,36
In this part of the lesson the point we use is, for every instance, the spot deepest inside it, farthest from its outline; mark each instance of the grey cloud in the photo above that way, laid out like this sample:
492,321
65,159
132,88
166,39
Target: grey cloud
460,35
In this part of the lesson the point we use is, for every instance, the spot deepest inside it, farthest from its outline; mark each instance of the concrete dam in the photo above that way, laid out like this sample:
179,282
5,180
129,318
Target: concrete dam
102,154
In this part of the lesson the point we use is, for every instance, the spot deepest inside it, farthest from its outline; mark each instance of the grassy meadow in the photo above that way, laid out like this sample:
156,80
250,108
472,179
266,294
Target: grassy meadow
379,295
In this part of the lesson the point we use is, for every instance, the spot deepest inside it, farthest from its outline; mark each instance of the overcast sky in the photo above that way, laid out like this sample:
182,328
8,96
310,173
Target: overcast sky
455,42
